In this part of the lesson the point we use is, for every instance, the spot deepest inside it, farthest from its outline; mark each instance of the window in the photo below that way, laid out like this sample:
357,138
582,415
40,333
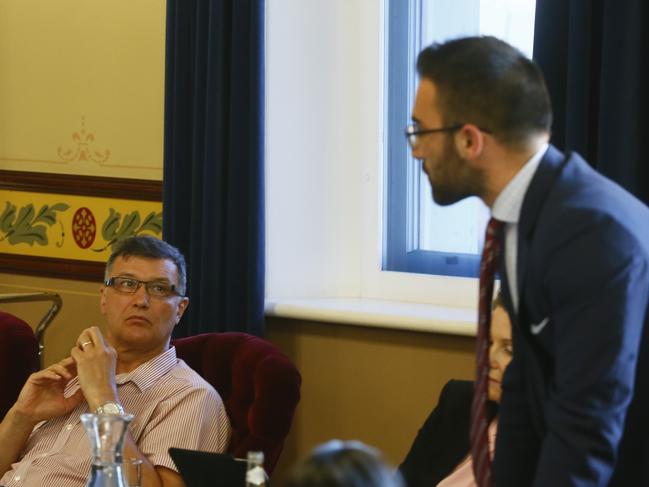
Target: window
326,127
420,236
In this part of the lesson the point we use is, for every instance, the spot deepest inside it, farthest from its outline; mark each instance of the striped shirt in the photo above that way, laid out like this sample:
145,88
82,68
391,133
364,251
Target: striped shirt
172,407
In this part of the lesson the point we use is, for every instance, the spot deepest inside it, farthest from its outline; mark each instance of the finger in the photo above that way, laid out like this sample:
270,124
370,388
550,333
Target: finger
88,336
67,361
61,371
96,335
79,357
85,333
46,375
68,365
86,343
76,354
87,339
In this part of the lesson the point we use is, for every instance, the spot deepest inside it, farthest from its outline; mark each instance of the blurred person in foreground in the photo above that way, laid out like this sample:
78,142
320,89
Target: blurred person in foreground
343,464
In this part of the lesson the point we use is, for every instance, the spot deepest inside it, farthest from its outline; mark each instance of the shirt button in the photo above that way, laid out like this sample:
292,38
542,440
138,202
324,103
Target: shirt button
17,478
69,427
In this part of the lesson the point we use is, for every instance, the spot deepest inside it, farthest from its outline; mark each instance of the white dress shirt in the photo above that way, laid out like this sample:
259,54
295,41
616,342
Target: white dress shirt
507,208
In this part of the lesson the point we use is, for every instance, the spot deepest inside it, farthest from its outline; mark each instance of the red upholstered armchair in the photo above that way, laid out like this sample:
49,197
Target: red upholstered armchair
18,358
259,385
20,346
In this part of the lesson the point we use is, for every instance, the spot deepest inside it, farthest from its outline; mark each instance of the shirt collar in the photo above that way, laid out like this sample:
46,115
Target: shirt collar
507,206
149,372
144,376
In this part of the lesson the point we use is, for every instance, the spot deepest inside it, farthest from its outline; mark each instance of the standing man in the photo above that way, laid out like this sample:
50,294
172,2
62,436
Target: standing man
575,268
130,369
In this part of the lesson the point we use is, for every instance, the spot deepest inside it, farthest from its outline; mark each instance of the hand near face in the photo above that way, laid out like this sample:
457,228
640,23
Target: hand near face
95,361
41,398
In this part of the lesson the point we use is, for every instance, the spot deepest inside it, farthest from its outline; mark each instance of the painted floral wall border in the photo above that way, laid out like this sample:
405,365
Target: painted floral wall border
131,189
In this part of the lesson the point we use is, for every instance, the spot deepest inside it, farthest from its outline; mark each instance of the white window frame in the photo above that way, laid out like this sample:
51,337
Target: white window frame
324,183
421,236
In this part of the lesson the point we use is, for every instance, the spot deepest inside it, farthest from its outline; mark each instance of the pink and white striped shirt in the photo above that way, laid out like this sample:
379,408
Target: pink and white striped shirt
172,407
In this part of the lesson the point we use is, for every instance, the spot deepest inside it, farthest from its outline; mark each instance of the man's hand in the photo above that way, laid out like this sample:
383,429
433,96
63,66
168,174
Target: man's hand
96,361
41,398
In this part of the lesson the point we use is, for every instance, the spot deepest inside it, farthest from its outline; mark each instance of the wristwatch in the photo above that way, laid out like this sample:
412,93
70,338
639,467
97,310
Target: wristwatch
110,407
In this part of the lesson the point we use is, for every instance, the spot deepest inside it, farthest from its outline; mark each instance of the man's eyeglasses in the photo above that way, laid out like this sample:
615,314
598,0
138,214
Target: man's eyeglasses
128,285
413,131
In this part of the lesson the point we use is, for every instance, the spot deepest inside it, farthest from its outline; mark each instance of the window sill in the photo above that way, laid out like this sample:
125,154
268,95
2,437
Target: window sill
379,313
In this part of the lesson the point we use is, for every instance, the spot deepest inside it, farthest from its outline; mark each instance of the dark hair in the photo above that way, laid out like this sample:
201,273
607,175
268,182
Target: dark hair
149,247
343,464
487,82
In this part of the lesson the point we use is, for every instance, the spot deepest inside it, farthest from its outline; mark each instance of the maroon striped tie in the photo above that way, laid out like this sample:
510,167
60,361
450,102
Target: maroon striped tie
479,419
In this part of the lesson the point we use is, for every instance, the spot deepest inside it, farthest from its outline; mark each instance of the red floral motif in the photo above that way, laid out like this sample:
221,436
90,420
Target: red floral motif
84,227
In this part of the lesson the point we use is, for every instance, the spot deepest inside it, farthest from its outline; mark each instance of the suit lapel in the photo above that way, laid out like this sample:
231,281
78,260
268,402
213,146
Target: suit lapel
538,190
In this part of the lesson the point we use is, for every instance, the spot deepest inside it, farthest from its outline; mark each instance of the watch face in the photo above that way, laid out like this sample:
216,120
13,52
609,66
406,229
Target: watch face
110,408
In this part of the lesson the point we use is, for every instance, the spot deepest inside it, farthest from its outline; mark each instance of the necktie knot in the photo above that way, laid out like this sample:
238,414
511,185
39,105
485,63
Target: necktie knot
494,228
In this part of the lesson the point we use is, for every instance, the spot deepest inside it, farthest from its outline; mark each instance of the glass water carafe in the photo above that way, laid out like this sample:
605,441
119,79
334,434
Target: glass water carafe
106,434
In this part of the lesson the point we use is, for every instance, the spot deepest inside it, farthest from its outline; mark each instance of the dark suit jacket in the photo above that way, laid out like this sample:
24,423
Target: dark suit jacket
575,403
443,441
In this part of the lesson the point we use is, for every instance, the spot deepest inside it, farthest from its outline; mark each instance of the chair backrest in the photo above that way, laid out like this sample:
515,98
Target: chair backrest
259,385
18,358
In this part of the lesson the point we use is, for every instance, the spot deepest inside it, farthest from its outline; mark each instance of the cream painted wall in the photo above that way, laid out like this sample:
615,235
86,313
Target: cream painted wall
82,87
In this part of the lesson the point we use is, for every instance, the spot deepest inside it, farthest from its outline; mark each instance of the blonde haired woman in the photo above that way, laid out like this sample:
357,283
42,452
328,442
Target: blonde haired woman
440,454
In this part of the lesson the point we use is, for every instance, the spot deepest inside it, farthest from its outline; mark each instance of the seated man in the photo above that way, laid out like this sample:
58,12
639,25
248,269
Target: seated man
132,368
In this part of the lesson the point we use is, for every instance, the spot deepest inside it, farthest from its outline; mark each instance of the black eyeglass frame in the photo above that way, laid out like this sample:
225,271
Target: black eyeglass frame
412,132
147,284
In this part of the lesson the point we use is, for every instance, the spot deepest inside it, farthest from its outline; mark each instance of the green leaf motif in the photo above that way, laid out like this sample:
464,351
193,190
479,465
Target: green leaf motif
115,228
152,222
129,225
29,235
25,216
7,218
48,215
28,226
109,228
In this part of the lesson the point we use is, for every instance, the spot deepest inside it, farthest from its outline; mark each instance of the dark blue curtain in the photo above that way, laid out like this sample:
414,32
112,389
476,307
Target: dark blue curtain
213,159
595,56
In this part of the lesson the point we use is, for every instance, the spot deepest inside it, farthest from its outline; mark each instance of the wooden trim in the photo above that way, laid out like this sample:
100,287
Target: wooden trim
80,270
38,182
